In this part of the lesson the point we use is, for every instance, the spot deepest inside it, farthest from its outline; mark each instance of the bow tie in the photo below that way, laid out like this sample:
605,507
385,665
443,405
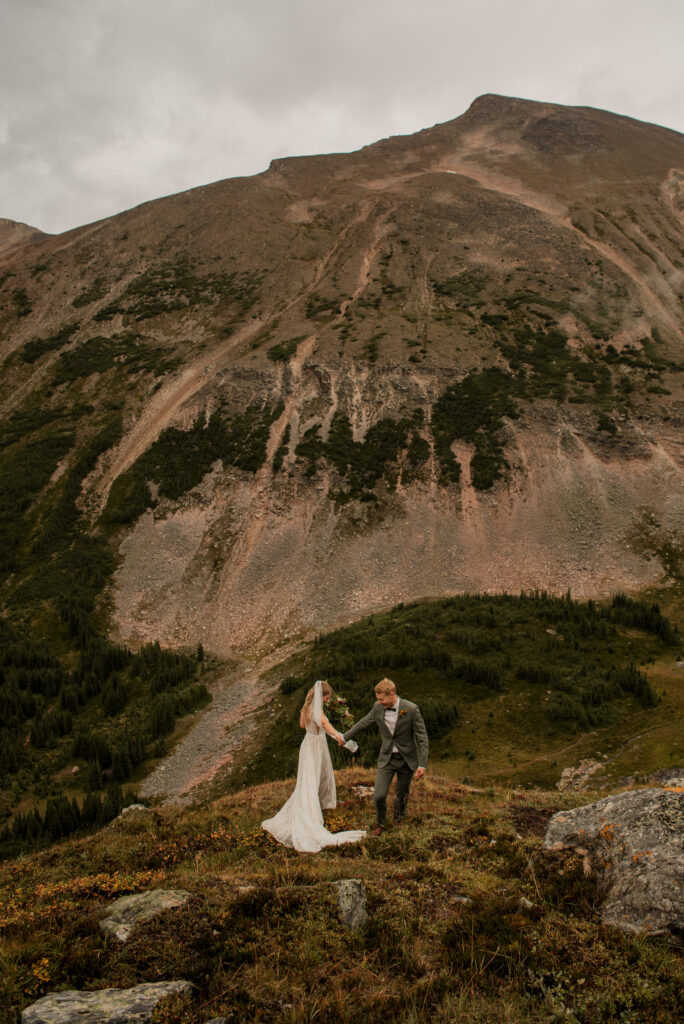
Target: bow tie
391,711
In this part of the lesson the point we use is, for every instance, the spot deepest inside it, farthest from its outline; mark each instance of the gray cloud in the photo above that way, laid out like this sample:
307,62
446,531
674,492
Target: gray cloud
107,103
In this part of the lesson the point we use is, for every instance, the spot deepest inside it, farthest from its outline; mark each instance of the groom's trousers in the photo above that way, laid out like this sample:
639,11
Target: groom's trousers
395,766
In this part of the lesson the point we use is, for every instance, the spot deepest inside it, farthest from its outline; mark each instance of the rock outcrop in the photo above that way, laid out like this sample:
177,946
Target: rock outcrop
107,1006
578,778
127,911
634,842
351,901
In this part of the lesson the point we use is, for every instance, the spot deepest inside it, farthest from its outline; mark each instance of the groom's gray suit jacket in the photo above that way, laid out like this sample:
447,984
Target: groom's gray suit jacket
410,735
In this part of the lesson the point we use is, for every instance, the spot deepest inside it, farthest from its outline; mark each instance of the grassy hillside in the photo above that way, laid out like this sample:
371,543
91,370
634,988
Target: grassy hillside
511,687
448,937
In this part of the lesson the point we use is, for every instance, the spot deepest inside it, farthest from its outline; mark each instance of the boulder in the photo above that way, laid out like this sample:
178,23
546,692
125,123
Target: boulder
124,913
634,843
106,1006
351,901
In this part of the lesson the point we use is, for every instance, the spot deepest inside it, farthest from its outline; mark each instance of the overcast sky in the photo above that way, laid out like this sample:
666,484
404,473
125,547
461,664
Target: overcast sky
107,103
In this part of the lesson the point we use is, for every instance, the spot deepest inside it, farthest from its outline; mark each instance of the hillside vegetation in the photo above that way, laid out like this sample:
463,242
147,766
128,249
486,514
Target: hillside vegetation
505,683
469,918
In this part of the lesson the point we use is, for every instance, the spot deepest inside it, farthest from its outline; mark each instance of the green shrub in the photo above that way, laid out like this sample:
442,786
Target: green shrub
33,350
97,290
473,410
361,463
284,350
179,459
174,285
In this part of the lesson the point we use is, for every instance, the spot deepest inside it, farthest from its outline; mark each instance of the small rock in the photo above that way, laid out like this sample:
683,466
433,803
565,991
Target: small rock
106,1006
361,790
124,913
133,807
351,900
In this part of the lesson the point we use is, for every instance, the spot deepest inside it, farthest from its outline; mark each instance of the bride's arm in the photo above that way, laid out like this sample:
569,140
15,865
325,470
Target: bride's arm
331,731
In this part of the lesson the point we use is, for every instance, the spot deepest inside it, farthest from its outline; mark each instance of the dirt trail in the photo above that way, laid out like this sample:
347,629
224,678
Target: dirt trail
561,751
369,255
219,732
638,735
161,408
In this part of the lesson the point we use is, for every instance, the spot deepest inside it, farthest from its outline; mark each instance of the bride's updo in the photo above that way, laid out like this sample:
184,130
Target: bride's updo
327,692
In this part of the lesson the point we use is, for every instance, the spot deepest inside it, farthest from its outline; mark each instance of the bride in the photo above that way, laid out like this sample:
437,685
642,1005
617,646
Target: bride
299,822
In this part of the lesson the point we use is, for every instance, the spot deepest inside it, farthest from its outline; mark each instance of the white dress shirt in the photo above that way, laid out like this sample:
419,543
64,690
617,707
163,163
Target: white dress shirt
391,716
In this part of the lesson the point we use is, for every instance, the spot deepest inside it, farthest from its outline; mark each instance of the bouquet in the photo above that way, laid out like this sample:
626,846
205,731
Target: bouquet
338,714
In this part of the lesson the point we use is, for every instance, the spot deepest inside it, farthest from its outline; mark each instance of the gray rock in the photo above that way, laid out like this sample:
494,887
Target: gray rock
133,807
351,900
578,778
634,842
106,1006
124,913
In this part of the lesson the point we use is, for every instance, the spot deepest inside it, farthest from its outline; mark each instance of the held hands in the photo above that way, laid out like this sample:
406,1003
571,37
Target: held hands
340,740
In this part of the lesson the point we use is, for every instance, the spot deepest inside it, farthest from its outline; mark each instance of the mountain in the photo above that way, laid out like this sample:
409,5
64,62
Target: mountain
448,362
13,233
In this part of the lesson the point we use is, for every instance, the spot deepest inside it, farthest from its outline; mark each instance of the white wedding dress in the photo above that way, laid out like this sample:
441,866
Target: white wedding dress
299,822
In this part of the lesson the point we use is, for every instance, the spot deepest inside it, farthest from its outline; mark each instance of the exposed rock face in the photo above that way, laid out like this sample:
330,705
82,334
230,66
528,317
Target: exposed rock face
578,778
108,1006
281,549
635,843
127,911
351,900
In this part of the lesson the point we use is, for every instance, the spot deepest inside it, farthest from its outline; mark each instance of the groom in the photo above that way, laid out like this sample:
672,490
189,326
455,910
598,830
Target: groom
404,749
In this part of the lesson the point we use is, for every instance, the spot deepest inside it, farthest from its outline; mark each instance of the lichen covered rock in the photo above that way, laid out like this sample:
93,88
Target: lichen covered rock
124,913
351,900
106,1006
634,842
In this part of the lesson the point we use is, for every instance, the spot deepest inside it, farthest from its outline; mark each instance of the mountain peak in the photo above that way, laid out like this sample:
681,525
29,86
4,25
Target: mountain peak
13,233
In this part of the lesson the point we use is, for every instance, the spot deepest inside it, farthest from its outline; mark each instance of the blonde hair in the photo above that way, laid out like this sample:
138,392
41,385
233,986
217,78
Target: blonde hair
385,686
308,701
